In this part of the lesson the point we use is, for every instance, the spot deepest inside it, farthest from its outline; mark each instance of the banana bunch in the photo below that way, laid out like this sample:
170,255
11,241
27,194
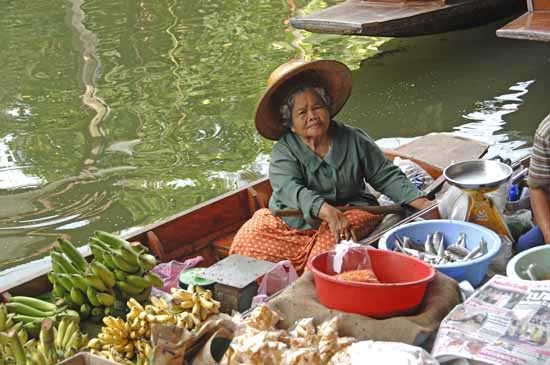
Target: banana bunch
56,344
32,311
88,288
128,263
194,304
53,345
122,341
9,329
118,271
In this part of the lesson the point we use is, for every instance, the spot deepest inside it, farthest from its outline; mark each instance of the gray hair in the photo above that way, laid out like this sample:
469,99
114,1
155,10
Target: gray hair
288,102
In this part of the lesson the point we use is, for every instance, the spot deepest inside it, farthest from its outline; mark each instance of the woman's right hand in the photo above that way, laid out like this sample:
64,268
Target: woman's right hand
338,223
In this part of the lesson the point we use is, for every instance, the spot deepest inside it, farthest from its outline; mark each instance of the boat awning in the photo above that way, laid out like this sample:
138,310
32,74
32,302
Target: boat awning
533,26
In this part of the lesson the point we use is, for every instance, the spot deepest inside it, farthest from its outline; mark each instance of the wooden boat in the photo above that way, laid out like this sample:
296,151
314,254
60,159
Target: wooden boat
534,25
405,18
208,228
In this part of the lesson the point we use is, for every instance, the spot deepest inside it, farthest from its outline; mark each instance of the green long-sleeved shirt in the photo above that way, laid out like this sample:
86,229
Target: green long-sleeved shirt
303,180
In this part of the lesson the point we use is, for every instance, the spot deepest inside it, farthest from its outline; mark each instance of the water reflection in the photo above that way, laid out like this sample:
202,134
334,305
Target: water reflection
118,114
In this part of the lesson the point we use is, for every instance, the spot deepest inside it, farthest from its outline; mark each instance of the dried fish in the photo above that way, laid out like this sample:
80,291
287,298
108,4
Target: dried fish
434,252
407,242
458,250
473,254
441,248
398,244
483,246
461,240
530,272
428,245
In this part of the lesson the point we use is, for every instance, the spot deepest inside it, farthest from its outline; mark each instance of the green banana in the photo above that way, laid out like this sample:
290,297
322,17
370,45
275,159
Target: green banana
69,331
77,297
128,289
139,248
122,264
60,333
105,299
35,303
30,319
73,254
69,314
85,311
120,275
103,273
144,295
110,239
154,279
79,281
97,252
20,308
147,261
64,280
108,261
61,260
58,290
129,254
96,282
92,298
17,348
138,282
100,244
3,317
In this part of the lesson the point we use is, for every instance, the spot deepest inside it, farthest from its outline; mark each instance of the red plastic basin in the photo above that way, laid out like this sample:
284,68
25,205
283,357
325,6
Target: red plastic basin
404,282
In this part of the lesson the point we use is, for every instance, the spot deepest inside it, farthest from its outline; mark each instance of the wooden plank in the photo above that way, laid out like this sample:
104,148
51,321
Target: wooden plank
442,149
541,5
405,19
530,26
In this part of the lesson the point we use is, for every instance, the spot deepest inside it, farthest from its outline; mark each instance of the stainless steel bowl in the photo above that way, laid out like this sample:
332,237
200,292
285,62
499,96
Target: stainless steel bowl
477,174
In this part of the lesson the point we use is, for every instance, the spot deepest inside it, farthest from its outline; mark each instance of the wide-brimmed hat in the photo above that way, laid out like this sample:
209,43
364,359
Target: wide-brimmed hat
334,76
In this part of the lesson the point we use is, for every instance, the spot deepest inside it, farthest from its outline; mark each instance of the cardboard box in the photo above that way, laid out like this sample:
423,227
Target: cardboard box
86,358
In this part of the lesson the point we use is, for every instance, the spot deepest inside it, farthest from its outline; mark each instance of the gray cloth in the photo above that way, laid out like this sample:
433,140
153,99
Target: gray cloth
300,301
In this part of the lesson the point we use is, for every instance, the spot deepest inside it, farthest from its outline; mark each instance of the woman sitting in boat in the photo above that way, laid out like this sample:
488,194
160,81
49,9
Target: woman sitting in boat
316,165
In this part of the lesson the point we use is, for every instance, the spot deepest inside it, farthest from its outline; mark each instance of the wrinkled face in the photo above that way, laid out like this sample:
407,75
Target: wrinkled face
310,115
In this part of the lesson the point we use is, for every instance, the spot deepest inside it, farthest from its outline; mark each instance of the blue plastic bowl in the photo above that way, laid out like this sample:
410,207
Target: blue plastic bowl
474,270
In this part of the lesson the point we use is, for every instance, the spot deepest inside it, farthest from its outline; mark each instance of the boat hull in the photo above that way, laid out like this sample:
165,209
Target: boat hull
406,19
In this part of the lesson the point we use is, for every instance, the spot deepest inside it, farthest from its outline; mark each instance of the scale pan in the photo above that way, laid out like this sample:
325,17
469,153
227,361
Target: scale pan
477,174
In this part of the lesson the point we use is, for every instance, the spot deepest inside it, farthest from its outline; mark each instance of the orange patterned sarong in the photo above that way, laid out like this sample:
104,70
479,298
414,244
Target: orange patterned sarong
269,238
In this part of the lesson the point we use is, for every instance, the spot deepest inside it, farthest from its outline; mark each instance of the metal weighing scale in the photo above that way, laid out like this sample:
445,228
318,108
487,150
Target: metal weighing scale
477,178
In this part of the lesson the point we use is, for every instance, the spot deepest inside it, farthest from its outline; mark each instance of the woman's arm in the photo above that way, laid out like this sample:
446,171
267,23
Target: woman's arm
540,203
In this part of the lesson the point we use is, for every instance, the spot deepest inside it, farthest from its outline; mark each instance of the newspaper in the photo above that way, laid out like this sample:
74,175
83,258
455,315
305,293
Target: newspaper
505,322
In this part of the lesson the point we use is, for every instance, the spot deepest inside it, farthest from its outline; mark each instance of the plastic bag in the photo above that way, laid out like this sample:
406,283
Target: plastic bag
170,271
282,275
416,174
351,261
379,352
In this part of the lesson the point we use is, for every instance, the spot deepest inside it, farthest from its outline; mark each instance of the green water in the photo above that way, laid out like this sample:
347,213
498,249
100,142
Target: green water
116,114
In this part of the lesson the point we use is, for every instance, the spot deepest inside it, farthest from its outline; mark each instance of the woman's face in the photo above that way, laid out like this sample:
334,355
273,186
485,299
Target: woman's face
310,115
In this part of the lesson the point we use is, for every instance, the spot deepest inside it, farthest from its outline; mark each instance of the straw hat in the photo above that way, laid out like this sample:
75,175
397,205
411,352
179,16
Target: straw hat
334,76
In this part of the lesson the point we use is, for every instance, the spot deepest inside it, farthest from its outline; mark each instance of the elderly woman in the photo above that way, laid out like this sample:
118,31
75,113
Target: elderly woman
316,165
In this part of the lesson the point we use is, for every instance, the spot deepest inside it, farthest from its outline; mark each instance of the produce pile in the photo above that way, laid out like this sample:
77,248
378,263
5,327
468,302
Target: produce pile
51,343
123,341
119,271
261,343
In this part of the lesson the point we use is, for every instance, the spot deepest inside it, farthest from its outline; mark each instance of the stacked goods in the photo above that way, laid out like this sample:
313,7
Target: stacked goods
127,263
119,271
194,305
261,343
53,345
32,311
123,341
